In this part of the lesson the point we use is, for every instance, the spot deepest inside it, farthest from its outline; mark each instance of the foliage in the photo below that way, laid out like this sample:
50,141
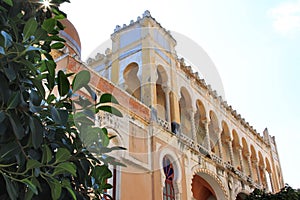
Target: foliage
41,152
286,193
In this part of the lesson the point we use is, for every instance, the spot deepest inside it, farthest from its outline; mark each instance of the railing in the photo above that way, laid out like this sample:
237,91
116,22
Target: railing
202,150
163,123
216,159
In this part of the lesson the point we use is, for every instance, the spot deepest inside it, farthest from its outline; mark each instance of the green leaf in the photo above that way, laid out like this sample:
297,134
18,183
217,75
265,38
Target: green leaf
55,115
10,73
50,65
2,50
63,83
35,98
13,101
2,116
49,24
65,167
66,184
11,189
81,79
101,172
57,45
104,137
31,163
47,154
7,39
35,181
28,195
39,86
16,125
40,34
59,116
56,38
55,187
110,109
108,98
62,155
29,28
51,98
11,149
31,186
37,132
8,2
32,48
106,186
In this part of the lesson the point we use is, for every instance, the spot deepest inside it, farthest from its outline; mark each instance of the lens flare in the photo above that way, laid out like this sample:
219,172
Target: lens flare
46,4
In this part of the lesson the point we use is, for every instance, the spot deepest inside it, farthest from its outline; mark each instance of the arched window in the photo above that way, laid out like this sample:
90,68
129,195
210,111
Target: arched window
132,82
168,192
185,106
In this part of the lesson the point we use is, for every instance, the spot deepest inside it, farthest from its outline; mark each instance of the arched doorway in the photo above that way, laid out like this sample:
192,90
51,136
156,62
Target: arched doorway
202,190
207,187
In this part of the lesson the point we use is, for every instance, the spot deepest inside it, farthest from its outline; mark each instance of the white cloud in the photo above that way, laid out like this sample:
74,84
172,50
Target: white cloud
286,17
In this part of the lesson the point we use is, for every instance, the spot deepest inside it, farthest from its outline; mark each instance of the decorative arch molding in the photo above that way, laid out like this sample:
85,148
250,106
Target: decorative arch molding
214,181
175,160
119,140
164,71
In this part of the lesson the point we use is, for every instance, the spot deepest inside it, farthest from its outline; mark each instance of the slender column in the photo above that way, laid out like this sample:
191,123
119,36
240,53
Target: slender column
166,90
250,166
241,158
220,144
229,142
206,123
258,172
192,113
271,181
263,178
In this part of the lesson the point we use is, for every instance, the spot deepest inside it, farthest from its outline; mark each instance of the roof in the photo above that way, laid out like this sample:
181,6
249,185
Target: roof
71,36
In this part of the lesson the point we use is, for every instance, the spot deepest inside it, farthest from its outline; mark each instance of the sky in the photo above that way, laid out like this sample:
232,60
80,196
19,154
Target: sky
254,44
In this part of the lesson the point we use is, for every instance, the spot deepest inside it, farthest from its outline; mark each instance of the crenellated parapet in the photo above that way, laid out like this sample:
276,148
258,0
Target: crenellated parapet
187,69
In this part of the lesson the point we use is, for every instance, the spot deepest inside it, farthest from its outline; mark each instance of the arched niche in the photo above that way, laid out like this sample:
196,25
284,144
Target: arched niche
161,93
245,154
214,132
132,83
225,138
254,161
236,145
185,108
199,119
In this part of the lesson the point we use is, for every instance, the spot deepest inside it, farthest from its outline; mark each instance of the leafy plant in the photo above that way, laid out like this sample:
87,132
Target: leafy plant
285,193
41,118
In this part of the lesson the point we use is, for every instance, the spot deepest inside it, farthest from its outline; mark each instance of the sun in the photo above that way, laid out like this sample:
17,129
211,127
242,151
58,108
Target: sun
46,3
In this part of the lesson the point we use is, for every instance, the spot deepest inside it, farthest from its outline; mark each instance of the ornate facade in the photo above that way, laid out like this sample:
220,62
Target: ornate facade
183,140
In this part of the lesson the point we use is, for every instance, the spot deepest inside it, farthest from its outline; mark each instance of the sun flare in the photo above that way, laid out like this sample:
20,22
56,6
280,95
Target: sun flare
46,3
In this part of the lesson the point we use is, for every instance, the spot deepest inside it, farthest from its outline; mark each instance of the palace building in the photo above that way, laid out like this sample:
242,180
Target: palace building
183,141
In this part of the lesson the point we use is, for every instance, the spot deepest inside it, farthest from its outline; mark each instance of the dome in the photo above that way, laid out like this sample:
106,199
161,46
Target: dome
71,36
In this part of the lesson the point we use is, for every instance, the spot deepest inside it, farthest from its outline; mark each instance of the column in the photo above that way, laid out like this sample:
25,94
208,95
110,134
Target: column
258,172
206,123
250,166
229,142
220,144
175,113
241,158
263,178
166,90
192,113
271,181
